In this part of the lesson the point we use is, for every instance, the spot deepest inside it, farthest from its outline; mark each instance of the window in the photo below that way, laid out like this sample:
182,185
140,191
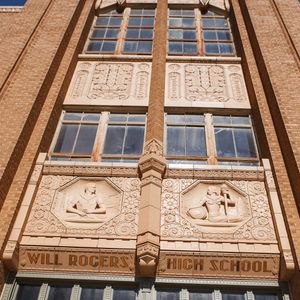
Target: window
133,292
139,33
207,139
12,2
130,32
194,33
95,136
124,137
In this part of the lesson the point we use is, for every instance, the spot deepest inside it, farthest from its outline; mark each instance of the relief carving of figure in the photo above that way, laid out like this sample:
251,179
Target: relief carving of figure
88,204
217,206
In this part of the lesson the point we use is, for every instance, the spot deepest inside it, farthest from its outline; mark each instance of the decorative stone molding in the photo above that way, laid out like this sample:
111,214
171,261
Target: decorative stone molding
9,9
110,83
147,255
89,169
208,85
153,146
216,172
62,207
213,210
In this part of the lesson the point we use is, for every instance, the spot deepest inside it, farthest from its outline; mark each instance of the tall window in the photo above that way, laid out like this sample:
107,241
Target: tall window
130,32
194,33
207,139
95,136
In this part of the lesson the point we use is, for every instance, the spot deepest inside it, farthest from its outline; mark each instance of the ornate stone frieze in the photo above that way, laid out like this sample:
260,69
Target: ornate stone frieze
109,83
83,207
209,85
213,210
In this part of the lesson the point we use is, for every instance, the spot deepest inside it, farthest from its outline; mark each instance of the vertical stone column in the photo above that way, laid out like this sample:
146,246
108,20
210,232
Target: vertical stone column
152,163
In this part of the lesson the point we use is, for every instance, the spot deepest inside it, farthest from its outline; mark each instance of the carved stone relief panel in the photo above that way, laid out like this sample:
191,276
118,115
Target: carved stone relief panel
83,207
106,83
206,85
214,210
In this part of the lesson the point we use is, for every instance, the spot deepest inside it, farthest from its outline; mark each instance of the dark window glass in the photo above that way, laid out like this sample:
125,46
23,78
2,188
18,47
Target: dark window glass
27,292
229,296
12,2
124,294
200,296
266,297
66,138
124,136
167,295
91,294
85,139
60,292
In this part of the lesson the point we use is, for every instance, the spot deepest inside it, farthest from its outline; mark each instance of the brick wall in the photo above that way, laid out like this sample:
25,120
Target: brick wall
32,99
273,77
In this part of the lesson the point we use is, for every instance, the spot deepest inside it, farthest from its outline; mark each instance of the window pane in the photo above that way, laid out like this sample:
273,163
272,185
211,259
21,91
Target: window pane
102,21
175,47
189,34
115,21
175,34
223,35
91,294
99,33
211,48
112,33
114,140
27,292
66,138
189,47
134,140
266,297
241,120
144,47
200,296
175,140
94,46
175,22
167,295
61,293
188,22
176,118
148,22
244,142
118,117
124,294
195,141
109,46
224,142
134,21
130,46
91,117
146,34
136,118
222,120
86,139
72,116
228,296
194,118
209,34
132,33
226,48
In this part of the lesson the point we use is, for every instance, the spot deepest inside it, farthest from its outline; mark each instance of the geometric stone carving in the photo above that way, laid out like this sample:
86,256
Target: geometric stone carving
75,206
209,85
216,209
110,83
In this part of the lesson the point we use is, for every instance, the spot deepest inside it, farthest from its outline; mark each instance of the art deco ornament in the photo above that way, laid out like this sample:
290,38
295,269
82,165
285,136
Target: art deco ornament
203,5
121,4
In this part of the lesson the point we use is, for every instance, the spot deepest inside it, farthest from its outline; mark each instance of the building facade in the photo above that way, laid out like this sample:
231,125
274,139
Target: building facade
150,150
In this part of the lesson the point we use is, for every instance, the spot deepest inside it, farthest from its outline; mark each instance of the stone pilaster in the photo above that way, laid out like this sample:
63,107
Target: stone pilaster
152,163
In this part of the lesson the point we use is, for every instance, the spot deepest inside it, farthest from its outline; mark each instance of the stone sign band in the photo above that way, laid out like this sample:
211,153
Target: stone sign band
174,265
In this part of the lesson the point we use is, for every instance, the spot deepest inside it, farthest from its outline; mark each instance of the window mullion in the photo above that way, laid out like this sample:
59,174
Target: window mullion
44,291
122,33
210,139
200,42
100,136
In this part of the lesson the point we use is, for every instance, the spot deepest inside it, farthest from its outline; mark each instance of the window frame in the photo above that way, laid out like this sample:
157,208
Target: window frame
121,39
199,29
211,147
97,154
